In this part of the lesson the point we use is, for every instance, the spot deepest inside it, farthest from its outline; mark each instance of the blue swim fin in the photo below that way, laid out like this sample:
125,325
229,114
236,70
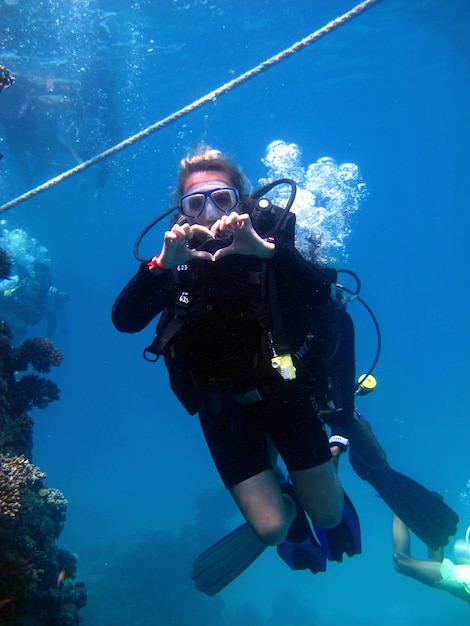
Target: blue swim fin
300,549
344,538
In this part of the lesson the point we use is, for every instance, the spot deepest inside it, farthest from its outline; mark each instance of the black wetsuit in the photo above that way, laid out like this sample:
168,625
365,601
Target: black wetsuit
219,358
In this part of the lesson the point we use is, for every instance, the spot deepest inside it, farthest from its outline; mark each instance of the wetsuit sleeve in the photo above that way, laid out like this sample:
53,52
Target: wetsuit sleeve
142,299
311,284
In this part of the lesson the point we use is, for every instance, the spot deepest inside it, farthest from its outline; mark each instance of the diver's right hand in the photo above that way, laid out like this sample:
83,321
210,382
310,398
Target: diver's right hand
176,245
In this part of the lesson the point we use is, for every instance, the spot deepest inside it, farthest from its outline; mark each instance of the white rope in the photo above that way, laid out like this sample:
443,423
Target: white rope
210,97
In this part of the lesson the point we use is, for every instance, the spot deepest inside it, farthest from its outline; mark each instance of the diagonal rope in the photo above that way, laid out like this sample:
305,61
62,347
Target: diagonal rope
210,97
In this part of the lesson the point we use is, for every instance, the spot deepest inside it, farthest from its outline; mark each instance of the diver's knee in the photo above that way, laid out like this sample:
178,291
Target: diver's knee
330,520
327,519
399,562
271,532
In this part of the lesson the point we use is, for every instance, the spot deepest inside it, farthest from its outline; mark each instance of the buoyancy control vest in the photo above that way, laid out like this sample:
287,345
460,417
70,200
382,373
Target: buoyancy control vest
198,352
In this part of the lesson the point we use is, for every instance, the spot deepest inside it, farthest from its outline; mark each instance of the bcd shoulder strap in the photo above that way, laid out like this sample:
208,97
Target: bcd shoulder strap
172,319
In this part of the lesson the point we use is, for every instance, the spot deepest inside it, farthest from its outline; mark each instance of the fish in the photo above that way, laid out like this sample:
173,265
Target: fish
61,577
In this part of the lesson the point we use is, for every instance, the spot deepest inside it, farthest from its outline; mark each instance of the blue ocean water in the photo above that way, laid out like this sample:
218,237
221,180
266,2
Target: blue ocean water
388,91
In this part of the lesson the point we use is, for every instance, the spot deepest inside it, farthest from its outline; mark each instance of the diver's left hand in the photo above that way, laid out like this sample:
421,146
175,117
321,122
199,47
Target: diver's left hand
245,241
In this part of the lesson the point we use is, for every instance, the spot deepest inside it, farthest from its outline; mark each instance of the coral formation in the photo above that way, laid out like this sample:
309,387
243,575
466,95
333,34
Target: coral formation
35,575
31,390
18,395
15,473
38,352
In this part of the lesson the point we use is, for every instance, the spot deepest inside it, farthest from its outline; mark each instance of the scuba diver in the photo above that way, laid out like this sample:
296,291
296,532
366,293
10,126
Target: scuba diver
436,571
34,111
28,296
265,360
95,124
6,79
229,304
29,114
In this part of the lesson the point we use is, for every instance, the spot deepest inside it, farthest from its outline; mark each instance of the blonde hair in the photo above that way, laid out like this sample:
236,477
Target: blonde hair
205,159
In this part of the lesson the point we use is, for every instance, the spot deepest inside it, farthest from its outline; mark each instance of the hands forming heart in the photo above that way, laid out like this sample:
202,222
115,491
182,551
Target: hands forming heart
245,240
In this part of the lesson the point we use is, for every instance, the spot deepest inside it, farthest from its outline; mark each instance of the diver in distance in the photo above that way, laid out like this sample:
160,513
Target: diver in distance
27,293
264,359
6,79
95,126
31,115
437,571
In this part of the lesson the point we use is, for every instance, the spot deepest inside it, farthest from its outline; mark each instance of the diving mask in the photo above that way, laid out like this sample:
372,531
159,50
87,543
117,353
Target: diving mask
225,199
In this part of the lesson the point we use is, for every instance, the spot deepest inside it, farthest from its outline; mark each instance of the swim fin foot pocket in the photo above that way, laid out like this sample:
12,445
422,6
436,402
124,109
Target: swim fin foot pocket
300,549
344,538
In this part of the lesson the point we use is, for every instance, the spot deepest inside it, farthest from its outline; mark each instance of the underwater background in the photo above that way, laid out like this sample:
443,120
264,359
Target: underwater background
388,91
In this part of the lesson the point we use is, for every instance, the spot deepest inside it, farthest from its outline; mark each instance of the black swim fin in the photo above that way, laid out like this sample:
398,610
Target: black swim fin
421,510
217,566
344,538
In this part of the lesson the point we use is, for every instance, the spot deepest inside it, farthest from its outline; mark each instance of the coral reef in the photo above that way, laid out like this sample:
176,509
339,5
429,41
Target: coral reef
18,395
31,390
15,473
38,352
36,587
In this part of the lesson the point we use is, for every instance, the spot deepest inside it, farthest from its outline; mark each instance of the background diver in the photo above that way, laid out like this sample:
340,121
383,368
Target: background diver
46,118
215,383
31,114
6,79
26,301
436,572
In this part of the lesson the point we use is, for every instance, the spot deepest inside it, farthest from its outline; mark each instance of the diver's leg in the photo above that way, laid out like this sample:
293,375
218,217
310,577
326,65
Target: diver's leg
320,493
426,572
268,511
436,555
274,460
298,433
244,458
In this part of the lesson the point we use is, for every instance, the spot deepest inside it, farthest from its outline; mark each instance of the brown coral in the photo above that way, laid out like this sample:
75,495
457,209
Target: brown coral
56,505
31,514
37,351
31,390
